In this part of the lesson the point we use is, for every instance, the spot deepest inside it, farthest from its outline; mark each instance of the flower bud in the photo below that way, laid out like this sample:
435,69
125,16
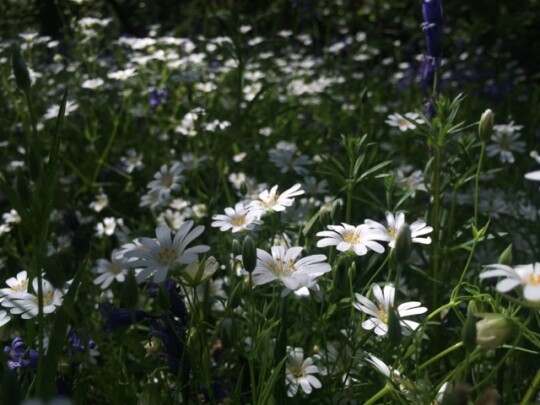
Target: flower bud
236,247
200,271
468,333
506,256
403,247
486,125
20,70
494,330
249,254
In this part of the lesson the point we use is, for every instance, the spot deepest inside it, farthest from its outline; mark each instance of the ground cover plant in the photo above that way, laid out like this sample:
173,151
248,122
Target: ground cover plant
257,212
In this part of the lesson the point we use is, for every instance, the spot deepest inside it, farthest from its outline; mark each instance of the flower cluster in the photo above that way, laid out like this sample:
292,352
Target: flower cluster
362,238
247,214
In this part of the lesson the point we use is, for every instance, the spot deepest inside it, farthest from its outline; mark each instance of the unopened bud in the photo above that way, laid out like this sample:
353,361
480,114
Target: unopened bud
494,330
20,70
236,247
403,247
468,333
506,256
485,127
249,254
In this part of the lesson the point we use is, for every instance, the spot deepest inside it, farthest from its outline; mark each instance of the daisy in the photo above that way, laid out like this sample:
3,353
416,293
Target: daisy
53,110
19,283
505,143
282,265
404,123
418,228
527,275
122,74
270,200
350,238
167,180
108,271
283,156
299,373
158,256
26,304
379,312
236,219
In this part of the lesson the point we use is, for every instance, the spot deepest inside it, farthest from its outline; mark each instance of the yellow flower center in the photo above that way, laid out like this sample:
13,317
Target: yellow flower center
534,279
167,180
47,298
167,256
391,231
281,267
297,372
352,237
383,316
404,123
239,220
20,286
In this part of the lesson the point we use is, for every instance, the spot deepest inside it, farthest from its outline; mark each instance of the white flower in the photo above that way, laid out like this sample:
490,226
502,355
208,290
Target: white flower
282,265
26,304
404,123
122,74
283,156
167,180
132,161
100,202
162,254
350,238
53,110
505,142
299,373
4,318
527,275
108,271
92,84
237,219
108,226
272,201
16,284
383,368
418,228
379,312
11,217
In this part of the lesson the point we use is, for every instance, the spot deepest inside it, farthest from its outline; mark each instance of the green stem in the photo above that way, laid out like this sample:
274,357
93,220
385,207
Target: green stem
435,216
375,398
532,389
281,344
477,179
441,355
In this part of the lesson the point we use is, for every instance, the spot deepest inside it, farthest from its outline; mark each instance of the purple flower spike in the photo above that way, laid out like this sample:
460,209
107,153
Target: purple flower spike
433,12
433,40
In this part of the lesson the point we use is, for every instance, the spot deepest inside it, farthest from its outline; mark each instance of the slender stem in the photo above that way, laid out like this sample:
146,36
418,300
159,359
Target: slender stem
441,355
477,179
469,260
281,344
532,389
375,398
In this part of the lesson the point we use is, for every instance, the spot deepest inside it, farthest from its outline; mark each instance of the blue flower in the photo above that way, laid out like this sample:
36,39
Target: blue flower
118,317
17,354
433,12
